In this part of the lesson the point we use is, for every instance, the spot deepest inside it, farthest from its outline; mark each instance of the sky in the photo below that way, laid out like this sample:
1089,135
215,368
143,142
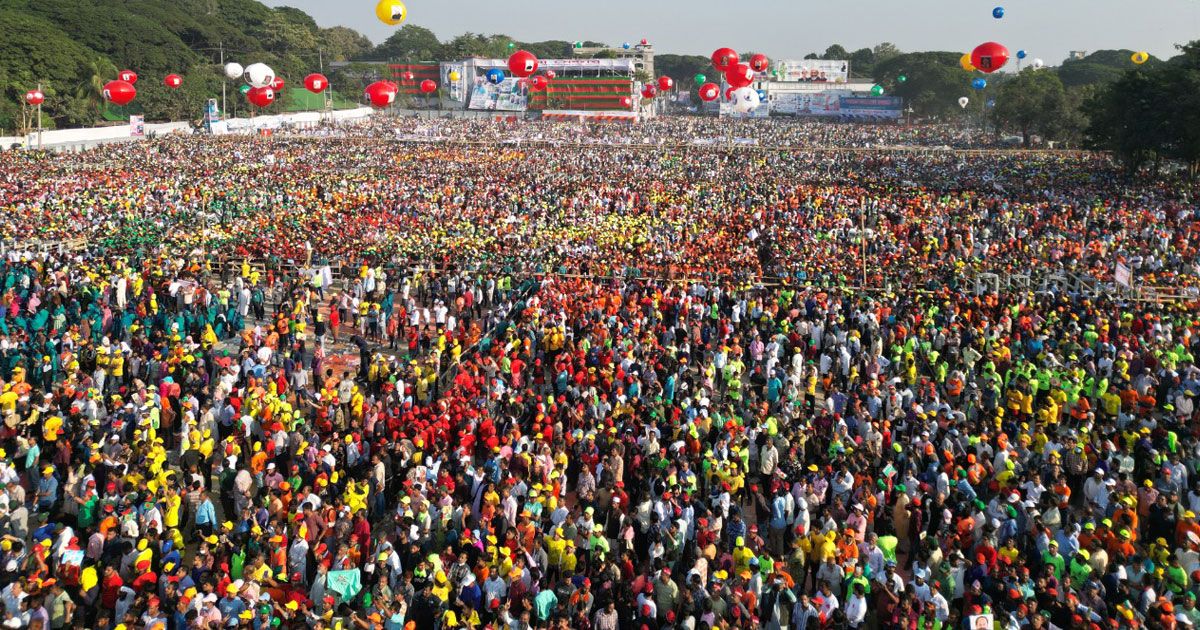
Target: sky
787,29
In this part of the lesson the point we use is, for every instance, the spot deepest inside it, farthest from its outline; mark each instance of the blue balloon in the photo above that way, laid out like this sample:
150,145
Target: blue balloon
979,84
998,12
1021,54
625,45
495,76
762,95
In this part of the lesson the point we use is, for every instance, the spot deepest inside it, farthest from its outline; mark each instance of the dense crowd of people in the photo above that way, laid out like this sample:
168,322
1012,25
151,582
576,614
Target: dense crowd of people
672,131
350,381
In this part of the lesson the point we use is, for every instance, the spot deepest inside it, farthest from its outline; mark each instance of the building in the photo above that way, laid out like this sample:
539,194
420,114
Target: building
642,55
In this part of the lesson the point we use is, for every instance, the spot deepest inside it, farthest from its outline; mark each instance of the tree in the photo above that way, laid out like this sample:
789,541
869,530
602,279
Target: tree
285,36
862,62
34,51
683,68
469,45
835,52
1126,118
885,51
410,42
343,44
934,81
1150,114
1033,102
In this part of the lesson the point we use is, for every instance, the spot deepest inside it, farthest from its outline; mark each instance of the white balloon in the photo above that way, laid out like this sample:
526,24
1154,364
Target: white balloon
962,101
259,75
745,100
233,70
1038,63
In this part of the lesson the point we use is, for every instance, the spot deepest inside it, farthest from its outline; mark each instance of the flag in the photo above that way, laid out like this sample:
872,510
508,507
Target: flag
346,584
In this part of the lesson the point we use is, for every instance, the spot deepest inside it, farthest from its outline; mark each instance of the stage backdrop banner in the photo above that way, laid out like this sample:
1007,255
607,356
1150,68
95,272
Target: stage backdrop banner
810,70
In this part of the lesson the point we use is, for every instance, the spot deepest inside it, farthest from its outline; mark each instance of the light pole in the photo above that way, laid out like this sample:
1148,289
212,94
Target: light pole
39,117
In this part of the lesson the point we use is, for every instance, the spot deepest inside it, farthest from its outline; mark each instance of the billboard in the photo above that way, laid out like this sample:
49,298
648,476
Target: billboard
510,95
810,70
826,103
566,65
871,106
840,103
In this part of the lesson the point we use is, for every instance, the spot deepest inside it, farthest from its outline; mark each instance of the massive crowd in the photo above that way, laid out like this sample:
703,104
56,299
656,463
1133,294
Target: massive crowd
355,382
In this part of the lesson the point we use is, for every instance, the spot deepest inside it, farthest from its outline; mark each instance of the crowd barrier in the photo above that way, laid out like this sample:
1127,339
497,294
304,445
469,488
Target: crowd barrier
71,140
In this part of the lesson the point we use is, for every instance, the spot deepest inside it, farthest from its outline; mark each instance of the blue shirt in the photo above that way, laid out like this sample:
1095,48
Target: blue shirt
230,608
206,514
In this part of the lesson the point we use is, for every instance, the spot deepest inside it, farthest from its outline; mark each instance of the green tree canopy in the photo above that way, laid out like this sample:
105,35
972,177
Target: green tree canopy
934,81
1034,102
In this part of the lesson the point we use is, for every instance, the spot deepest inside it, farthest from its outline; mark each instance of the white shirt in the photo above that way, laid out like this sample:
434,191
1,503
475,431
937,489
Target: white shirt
856,610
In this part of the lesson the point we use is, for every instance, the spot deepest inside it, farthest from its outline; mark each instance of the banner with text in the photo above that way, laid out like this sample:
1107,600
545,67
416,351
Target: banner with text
871,106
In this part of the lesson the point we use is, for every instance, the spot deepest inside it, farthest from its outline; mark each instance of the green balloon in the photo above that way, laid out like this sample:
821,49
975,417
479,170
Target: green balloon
699,79
511,45
877,90
244,89
902,78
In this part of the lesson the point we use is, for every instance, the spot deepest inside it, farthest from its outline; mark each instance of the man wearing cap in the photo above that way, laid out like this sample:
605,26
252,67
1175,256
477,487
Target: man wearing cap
47,490
231,605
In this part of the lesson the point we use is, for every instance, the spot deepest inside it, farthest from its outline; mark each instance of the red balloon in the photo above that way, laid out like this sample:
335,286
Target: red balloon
645,42
739,76
128,76
626,102
428,86
261,97
381,93
35,97
316,83
729,93
759,63
989,57
665,83
278,84
550,74
538,83
173,81
710,92
522,64
119,92
649,91
407,76
724,58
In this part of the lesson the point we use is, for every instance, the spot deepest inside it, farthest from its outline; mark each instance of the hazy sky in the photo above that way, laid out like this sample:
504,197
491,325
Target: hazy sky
790,29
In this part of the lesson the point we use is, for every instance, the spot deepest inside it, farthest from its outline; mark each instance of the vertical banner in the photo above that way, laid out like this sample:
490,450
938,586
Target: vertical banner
454,89
212,119
137,125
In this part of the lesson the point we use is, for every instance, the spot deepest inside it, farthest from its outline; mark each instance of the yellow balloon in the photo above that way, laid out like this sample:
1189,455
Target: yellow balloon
1140,57
965,62
391,12
453,76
